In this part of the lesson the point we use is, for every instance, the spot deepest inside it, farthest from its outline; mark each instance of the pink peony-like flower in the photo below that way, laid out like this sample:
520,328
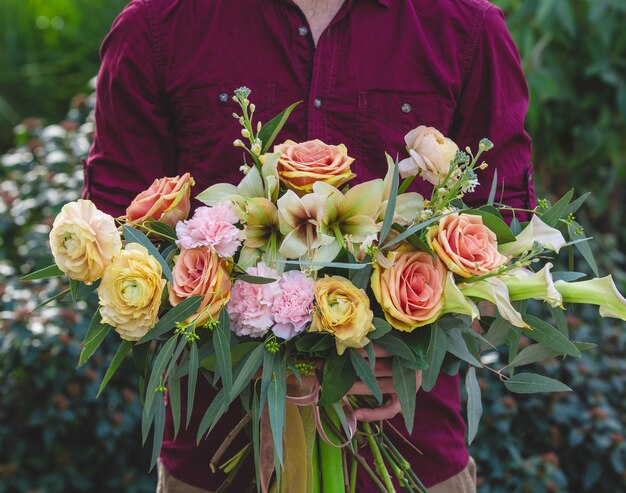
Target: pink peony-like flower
293,307
213,227
251,305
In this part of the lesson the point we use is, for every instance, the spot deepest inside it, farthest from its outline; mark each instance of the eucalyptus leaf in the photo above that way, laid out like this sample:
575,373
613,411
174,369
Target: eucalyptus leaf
133,235
116,361
382,328
159,428
270,130
552,216
404,382
180,312
437,349
549,336
458,347
192,379
393,344
173,389
339,375
96,333
495,224
366,374
530,383
45,273
474,404
221,341
160,363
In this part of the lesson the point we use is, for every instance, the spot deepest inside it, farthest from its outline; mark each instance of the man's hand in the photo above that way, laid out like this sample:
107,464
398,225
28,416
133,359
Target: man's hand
383,373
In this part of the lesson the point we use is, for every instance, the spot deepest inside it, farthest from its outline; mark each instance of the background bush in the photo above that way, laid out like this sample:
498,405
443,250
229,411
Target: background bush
56,437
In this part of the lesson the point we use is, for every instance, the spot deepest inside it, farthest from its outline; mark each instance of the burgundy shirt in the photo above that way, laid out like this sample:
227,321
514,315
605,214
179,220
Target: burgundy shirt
381,68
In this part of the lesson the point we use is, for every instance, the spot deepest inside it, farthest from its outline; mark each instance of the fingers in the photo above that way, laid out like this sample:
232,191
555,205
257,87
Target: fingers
389,409
385,384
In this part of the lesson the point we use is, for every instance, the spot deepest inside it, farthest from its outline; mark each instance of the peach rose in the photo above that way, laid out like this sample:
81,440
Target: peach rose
466,245
167,200
301,165
410,291
201,272
83,241
430,154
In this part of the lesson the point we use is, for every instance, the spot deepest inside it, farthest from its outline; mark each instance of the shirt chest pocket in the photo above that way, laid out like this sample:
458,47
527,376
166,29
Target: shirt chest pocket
384,117
205,130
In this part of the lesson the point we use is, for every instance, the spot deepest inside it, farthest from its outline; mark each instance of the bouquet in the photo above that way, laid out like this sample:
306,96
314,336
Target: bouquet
283,289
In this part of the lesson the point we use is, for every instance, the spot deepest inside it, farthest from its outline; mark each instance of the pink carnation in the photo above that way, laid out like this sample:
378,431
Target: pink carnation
293,307
250,305
213,227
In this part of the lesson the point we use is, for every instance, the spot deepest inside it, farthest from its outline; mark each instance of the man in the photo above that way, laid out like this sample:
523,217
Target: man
367,71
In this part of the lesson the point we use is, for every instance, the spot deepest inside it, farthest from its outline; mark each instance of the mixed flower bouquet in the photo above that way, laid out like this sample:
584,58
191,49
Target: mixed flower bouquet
283,290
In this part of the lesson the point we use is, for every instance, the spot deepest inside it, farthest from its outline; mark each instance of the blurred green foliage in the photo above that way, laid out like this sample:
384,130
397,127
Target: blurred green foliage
48,51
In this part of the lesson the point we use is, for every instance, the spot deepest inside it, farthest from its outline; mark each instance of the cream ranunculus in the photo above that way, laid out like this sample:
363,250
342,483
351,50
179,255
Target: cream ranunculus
430,154
130,292
343,310
83,241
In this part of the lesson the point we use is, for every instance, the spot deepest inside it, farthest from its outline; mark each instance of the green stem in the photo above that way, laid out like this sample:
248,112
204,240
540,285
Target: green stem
405,184
315,480
378,459
398,472
353,469
331,460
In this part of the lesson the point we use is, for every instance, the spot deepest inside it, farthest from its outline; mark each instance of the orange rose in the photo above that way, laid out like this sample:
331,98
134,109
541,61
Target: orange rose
201,272
167,200
410,291
466,245
301,165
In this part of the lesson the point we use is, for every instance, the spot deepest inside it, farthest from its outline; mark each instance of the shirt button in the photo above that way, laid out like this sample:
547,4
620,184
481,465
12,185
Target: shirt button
223,97
406,108
317,102
303,31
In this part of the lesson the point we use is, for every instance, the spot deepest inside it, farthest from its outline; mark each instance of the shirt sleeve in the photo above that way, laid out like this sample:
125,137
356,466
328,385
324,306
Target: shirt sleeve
493,104
133,143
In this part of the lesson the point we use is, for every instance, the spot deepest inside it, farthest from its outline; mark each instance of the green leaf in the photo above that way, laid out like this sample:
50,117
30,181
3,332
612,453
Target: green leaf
74,289
339,375
250,367
213,413
366,374
256,279
96,333
237,353
585,346
133,235
269,360
549,336
495,224
180,312
147,419
437,349
361,278
414,229
159,428
494,188
575,205
256,433
391,202
395,345
567,276
532,354
382,328
552,216
161,361
418,365
371,355
414,240
276,401
458,347
329,265
119,356
530,383
406,389
474,404
173,389
308,340
45,273
559,319
498,332
270,130
221,341
192,379
50,300
584,248
162,229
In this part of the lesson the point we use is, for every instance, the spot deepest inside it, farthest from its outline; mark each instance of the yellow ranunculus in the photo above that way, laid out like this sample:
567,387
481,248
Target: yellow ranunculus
83,240
130,292
342,310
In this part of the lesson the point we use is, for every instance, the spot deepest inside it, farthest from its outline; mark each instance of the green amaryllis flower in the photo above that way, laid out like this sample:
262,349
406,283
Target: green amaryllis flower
524,284
408,204
600,291
299,221
535,232
350,218
262,230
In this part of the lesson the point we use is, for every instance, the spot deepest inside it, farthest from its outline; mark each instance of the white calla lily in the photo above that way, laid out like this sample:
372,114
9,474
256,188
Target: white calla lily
454,301
535,232
494,290
600,291
523,284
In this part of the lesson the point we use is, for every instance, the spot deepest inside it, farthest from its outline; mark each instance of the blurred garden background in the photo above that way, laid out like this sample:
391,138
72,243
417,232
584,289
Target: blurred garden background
55,436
